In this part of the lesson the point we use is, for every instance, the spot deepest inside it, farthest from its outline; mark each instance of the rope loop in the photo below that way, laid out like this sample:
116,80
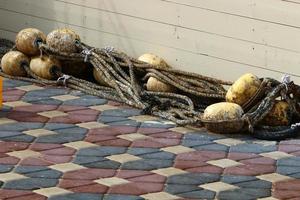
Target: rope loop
63,80
87,53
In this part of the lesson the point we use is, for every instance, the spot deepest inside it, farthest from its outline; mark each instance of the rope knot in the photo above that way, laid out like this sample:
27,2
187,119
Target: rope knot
87,53
109,49
285,80
63,80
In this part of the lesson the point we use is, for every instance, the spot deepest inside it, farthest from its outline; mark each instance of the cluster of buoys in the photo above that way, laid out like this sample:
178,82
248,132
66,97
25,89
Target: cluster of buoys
222,117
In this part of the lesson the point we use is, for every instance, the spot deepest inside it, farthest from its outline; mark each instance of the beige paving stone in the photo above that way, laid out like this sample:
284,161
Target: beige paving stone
268,198
80,145
29,88
224,163
52,191
273,177
276,155
160,196
133,136
229,142
66,167
39,132
4,120
111,181
218,186
65,97
14,104
91,125
182,130
123,158
52,114
170,171
143,118
178,149
5,177
103,107
24,154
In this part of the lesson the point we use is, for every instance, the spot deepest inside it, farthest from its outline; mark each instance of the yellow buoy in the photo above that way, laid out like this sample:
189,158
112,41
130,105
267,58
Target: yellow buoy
223,117
153,84
63,40
280,115
45,67
243,89
26,41
12,62
98,77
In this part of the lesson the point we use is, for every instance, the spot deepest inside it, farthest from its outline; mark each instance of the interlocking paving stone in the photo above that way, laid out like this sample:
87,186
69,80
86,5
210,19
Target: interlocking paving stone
153,157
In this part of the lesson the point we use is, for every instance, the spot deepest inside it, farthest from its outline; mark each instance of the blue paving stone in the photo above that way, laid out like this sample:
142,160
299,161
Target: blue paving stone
96,162
47,102
193,178
20,138
202,136
5,168
110,119
192,143
86,100
101,151
157,124
212,147
121,197
48,92
253,148
48,174
286,170
158,155
292,162
8,83
255,184
20,126
76,93
199,194
56,126
4,134
244,193
147,164
77,196
178,188
236,179
126,112
139,151
125,123
64,136
30,183
30,98
297,175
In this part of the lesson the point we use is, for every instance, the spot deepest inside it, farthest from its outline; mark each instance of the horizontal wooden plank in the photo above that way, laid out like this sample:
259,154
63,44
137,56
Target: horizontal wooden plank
184,60
211,45
223,23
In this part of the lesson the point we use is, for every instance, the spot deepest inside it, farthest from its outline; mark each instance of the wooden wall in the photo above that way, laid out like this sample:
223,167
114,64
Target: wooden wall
219,38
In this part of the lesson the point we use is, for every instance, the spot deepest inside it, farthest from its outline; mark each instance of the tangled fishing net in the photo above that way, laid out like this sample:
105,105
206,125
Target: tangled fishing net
264,107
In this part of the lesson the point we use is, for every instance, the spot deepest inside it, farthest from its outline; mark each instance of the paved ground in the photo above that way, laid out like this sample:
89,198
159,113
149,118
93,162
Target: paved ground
61,144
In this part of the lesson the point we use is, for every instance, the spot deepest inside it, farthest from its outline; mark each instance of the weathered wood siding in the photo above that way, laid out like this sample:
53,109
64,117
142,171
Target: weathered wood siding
220,38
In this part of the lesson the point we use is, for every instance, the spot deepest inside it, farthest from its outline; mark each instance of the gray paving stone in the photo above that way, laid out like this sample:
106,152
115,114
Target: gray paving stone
46,174
297,175
96,162
157,124
212,147
64,136
147,164
110,119
86,100
202,136
139,151
101,151
158,155
48,92
291,161
20,138
121,197
7,83
192,143
230,179
260,184
253,148
30,183
199,194
5,168
179,188
286,170
125,112
4,134
244,193
20,126
193,178
56,126
28,169
125,123
77,196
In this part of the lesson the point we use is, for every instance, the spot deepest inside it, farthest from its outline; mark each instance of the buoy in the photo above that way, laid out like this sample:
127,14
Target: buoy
280,115
223,117
98,77
243,89
153,84
27,41
76,69
45,67
63,40
12,62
